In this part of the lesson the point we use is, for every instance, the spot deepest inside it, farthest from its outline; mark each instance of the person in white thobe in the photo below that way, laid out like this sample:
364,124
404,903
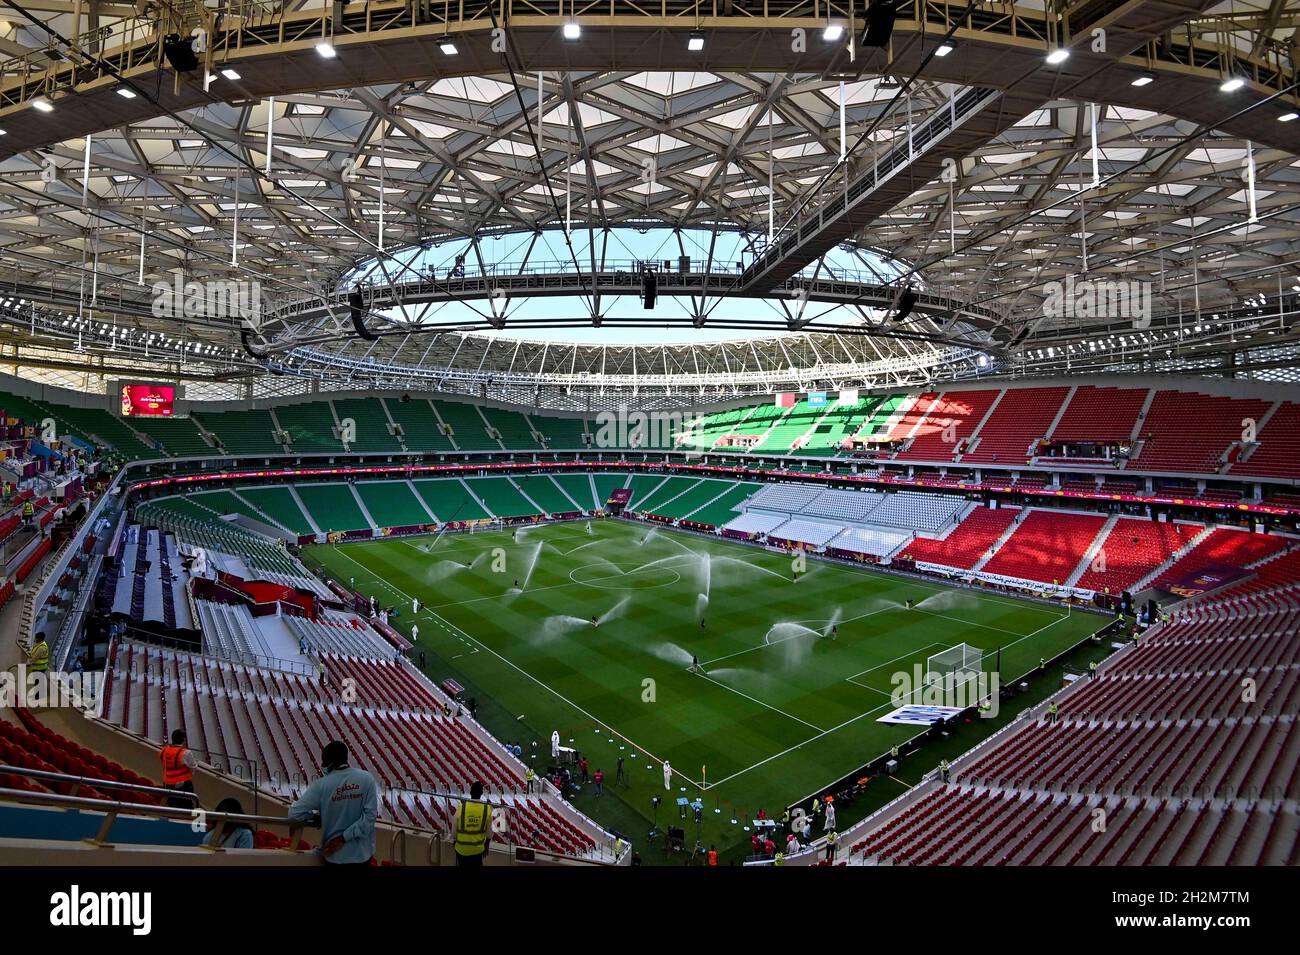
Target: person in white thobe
668,775
555,744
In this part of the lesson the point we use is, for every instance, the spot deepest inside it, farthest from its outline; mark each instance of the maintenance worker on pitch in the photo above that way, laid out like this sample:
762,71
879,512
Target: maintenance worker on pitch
473,828
347,802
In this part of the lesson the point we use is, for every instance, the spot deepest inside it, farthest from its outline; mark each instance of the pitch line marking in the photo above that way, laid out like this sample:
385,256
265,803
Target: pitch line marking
753,699
811,739
538,590
854,678
986,626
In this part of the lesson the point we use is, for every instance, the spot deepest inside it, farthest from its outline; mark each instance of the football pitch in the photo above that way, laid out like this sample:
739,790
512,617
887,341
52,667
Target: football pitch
796,669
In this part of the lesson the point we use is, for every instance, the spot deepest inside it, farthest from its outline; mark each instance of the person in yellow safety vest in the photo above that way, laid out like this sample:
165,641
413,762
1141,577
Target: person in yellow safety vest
780,859
832,838
38,657
944,769
1092,670
473,828
1051,712
893,751
28,512
178,770
530,778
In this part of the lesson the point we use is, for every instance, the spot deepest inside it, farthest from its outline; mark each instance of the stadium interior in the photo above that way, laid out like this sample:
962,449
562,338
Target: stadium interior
803,433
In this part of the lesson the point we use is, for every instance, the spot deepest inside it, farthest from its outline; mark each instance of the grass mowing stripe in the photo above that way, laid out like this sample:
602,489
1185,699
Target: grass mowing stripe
774,709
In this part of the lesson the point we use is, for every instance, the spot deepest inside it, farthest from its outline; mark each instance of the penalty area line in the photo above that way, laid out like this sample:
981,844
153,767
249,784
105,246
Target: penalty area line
753,699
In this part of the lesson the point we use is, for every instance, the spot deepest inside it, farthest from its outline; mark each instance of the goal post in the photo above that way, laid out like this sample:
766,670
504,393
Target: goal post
955,665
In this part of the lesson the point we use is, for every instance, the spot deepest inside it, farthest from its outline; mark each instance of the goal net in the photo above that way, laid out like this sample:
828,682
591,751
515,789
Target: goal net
956,665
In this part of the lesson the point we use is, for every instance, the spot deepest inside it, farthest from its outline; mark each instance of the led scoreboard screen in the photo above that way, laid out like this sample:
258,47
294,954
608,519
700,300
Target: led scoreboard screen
147,401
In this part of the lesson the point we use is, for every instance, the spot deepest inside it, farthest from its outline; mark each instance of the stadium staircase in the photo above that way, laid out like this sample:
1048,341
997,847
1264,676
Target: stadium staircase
949,423
1046,546
361,506
1131,547
1089,558
1014,425
1277,453
968,544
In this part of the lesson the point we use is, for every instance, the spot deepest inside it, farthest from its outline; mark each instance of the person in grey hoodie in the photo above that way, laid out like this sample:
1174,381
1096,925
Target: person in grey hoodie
347,802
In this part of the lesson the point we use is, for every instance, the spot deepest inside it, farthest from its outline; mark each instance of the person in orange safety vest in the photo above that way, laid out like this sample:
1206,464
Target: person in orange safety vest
178,770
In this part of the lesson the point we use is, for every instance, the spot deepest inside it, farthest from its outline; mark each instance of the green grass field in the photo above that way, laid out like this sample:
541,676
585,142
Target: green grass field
780,710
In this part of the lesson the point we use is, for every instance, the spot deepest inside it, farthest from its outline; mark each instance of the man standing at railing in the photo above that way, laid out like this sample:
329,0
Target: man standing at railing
178,770
473,828
347,802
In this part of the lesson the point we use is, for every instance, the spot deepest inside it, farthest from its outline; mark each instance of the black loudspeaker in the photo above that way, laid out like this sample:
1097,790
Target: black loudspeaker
649,288
906,302
180,53
1126,601
880,24
248,347
357,311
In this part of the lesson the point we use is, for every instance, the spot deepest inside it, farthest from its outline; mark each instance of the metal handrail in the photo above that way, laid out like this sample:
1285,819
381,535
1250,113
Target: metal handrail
97,783
112,810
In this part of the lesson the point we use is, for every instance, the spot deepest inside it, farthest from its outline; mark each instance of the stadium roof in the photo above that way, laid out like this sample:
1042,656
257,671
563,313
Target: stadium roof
979,172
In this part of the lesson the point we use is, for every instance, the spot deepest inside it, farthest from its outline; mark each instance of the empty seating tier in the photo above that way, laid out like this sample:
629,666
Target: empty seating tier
235,716
310,427
807,532
1021,417
1221,548
392,503
1047,546
1278,453
1134,548
1160,741
242,432
370,432
950,421
501,497
469,431
546,494
1187,431
1100,415
968,543
332,506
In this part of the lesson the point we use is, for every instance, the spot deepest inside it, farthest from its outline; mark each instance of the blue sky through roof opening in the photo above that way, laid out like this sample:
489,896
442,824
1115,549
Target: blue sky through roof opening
622,248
